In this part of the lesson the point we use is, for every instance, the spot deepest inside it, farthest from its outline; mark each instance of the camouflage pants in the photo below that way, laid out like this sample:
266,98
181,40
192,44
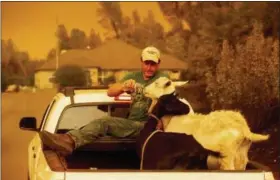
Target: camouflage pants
114,126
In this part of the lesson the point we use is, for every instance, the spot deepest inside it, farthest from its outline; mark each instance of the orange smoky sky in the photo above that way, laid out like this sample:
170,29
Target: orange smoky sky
31,25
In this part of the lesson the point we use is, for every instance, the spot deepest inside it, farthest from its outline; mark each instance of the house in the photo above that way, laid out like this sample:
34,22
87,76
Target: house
108,62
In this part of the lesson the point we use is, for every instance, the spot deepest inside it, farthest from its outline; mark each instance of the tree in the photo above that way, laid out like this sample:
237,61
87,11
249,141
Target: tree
176,45
78,39
127,29
149,32
210,24
271,17
231,20
222,20
63,37
22,59
177,39
94,39
4,82
17,67
51,54
180,13
225,21
267,13
8,50
202,58
4,53
111,17
136,17
13,60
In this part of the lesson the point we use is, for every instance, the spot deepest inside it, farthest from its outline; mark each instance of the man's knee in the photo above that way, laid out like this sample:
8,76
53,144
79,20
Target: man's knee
98,126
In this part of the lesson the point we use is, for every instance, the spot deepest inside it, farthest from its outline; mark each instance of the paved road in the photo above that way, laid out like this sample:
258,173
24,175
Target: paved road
14,141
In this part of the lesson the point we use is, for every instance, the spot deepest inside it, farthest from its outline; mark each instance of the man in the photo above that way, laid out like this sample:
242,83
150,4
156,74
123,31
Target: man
118,127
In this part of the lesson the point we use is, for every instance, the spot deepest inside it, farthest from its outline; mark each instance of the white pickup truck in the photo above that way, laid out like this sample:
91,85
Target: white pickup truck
72,109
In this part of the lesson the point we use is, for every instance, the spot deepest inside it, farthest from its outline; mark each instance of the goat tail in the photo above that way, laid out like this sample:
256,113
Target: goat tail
254,137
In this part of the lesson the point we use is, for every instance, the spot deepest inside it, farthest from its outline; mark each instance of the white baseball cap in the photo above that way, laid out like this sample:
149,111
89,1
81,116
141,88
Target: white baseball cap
151,54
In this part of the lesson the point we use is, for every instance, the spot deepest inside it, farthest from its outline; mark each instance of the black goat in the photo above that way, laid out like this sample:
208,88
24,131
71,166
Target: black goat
169,150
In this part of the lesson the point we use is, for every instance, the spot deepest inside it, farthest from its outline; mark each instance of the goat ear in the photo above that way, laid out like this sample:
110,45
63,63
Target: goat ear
180,83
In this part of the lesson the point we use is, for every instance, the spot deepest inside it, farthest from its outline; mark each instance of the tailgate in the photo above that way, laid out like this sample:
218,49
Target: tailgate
147,175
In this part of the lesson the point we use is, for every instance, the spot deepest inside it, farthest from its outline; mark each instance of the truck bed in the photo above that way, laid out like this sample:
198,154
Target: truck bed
105,153
107,160
103,160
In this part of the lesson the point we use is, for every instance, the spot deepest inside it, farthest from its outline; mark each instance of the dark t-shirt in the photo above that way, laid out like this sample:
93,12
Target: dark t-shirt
140,103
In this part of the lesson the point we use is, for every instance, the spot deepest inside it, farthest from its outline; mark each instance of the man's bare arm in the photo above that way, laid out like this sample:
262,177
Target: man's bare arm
118,88
115,90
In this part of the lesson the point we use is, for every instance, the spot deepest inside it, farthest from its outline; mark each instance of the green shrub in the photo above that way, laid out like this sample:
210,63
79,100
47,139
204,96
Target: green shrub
71,75
246,77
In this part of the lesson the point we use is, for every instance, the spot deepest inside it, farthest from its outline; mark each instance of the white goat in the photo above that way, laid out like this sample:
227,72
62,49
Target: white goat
223,131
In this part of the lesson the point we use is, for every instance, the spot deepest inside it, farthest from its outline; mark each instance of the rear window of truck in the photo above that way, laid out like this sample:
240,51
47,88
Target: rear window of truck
74,117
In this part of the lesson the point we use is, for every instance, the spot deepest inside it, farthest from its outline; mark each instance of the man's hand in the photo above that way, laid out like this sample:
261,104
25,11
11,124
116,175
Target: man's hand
118,88
129,86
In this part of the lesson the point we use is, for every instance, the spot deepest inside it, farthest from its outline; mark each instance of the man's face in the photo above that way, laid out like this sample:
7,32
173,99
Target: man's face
149,68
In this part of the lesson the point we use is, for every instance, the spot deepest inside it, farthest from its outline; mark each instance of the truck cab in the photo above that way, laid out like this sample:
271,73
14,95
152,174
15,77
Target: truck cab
72,109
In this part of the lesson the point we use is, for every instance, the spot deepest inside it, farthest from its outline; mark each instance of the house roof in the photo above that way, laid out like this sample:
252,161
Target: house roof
112,55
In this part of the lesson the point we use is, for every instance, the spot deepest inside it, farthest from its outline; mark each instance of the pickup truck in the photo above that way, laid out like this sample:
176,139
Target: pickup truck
75,107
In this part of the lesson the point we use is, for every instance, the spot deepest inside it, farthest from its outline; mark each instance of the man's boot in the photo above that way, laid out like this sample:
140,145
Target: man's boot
63,143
